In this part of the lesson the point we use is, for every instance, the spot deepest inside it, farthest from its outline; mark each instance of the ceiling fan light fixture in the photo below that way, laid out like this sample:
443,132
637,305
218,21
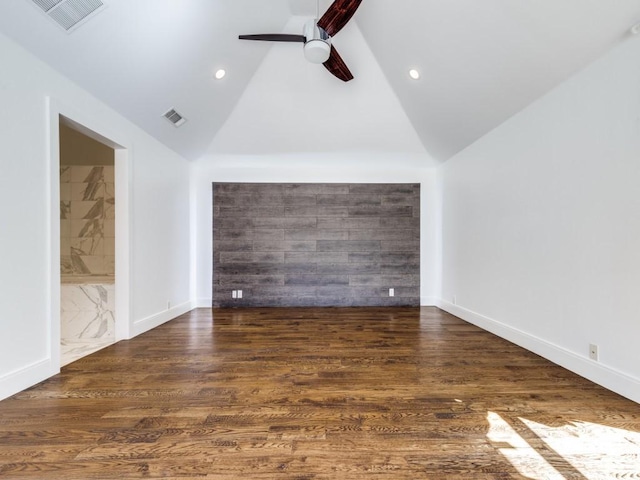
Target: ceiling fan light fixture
317,47
317,51
317,36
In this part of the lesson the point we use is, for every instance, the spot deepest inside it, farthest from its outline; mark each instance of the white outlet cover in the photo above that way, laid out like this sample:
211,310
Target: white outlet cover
239,293
234,294
392,292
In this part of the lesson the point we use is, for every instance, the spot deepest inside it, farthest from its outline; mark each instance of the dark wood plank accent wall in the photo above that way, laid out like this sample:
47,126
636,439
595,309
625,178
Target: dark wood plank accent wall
316,244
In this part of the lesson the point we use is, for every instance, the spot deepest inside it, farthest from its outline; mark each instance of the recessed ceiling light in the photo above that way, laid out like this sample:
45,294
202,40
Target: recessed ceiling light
220,74
415,74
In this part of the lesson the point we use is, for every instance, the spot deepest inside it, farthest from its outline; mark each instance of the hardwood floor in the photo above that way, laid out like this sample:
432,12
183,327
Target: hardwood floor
354,393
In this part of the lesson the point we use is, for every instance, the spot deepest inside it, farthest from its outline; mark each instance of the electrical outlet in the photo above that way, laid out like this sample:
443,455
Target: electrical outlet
392,292
234,294
239,293
453,300
168,305
593,352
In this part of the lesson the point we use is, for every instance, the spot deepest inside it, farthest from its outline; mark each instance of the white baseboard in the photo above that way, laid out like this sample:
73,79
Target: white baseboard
153,321
428,302
610,378
204,302
424,302
18,380
603,375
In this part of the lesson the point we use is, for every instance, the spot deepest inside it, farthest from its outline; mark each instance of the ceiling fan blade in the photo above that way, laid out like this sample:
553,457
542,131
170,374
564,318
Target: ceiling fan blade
337,16
274,37
337,67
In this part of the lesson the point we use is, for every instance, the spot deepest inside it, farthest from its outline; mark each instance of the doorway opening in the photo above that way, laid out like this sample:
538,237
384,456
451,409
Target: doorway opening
117,265
87,244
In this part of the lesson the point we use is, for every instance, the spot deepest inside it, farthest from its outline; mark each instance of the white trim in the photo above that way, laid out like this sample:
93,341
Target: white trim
88,125
123,208
204,302
428,301
610,378
153,321
53,231
18,380
193,241
208,302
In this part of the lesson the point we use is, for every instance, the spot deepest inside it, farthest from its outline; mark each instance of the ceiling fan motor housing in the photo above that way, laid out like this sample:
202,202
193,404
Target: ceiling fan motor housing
317,48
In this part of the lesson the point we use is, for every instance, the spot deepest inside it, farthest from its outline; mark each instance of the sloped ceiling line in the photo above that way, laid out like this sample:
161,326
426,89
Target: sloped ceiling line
481,62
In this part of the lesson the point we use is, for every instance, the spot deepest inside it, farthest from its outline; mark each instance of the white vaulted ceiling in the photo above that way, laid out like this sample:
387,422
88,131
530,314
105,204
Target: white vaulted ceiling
481,62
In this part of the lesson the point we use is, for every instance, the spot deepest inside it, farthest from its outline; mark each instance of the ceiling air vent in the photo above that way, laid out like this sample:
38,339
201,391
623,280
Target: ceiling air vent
174,117
70,14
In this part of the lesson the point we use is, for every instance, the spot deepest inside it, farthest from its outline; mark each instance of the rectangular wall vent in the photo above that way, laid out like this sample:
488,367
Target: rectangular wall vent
70,14
174,117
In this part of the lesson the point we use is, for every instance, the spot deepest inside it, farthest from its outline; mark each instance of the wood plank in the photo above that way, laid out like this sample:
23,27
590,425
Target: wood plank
311,393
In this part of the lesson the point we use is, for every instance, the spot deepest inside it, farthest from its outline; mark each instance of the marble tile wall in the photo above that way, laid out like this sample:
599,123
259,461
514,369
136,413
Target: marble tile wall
87,220
87,319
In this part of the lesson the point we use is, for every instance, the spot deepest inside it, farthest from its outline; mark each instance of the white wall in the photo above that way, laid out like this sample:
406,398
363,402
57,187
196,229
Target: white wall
161,236
541,225
309,168
158,217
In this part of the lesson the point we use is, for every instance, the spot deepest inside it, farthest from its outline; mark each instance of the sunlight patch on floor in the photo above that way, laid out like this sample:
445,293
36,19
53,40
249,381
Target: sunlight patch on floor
590,450
597,451
520,454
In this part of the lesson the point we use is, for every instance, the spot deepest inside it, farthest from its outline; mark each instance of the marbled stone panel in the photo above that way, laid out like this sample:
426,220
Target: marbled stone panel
87,311
87,220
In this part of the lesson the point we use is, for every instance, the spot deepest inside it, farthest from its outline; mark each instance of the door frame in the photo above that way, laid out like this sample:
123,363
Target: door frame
90,126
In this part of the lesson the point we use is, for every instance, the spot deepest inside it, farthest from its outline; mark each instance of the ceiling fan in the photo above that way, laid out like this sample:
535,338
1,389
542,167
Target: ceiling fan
317,36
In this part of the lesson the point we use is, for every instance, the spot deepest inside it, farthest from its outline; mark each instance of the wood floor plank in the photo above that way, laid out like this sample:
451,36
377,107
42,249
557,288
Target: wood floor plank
311,393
